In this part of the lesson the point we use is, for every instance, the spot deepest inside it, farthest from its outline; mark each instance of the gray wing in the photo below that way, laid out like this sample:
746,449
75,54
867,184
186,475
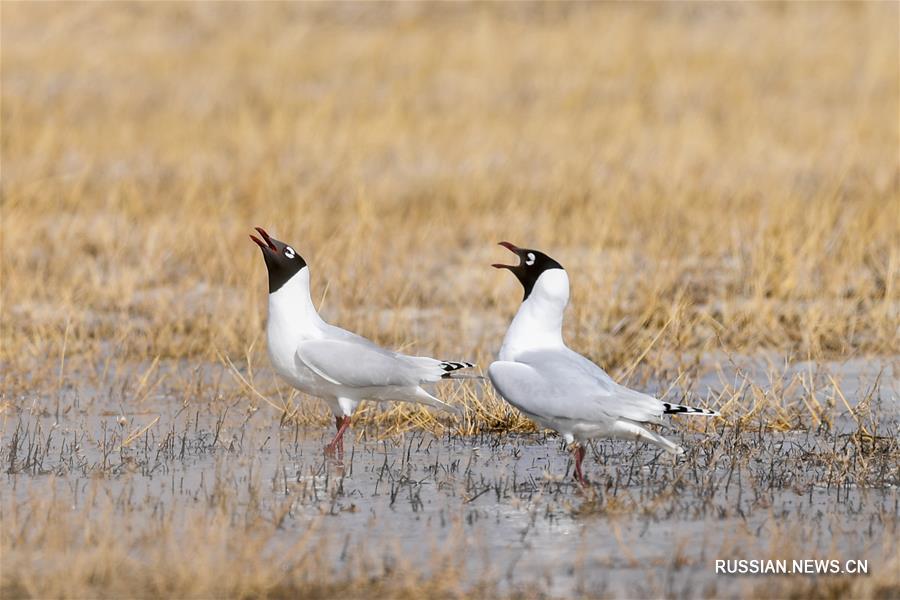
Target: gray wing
333,332
565,385
354,364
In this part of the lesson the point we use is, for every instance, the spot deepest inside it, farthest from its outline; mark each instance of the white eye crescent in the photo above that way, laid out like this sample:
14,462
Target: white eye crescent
289,252
529,260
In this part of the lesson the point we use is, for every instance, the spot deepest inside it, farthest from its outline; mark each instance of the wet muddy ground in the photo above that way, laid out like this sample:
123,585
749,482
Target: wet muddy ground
498,511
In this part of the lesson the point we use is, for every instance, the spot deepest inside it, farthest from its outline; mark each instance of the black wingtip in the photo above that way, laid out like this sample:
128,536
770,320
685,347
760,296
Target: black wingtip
680,409
449,367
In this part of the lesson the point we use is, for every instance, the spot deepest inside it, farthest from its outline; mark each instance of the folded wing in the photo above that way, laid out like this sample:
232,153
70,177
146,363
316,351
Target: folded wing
565,385
352,364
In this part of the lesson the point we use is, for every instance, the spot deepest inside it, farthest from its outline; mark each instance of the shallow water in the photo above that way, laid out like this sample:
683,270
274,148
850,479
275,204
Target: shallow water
501,508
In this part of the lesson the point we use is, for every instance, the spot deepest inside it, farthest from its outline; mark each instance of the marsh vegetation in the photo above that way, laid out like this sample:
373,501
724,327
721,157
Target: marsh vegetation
720,181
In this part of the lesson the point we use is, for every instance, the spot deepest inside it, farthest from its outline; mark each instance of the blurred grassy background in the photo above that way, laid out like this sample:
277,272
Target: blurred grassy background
720,179
729,169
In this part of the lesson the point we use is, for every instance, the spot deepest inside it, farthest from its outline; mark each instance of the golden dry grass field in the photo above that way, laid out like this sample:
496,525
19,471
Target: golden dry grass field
721,181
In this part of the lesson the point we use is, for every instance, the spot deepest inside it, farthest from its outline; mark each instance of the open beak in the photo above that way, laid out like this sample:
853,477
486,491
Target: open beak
268,244
515,250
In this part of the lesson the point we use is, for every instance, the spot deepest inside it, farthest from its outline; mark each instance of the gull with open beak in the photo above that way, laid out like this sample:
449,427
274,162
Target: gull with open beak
331,363
557,387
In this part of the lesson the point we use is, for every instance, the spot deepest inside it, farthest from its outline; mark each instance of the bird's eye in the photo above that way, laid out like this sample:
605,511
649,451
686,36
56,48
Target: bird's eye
289,252
529,260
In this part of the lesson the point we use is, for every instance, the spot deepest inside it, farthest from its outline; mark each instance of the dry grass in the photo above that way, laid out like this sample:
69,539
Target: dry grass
719,180
733,166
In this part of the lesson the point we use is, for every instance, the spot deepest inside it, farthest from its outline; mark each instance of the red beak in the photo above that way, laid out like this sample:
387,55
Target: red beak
268,245
512,248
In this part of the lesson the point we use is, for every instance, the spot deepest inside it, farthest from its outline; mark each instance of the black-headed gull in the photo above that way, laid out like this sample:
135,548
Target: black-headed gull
559,388
331,363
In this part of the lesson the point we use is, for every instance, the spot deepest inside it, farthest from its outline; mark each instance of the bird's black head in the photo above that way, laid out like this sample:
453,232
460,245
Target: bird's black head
282,261
531,264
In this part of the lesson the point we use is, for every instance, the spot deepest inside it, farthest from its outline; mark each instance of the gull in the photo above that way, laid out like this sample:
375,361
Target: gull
331,363
555,386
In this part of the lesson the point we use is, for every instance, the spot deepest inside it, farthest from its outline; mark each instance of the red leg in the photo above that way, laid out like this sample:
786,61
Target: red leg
579,456
339,436
342,423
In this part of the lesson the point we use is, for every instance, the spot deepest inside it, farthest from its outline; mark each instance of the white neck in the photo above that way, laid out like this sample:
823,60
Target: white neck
291,310
538,323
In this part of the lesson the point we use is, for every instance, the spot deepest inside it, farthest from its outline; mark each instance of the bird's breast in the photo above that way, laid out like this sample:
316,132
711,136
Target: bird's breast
282,348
